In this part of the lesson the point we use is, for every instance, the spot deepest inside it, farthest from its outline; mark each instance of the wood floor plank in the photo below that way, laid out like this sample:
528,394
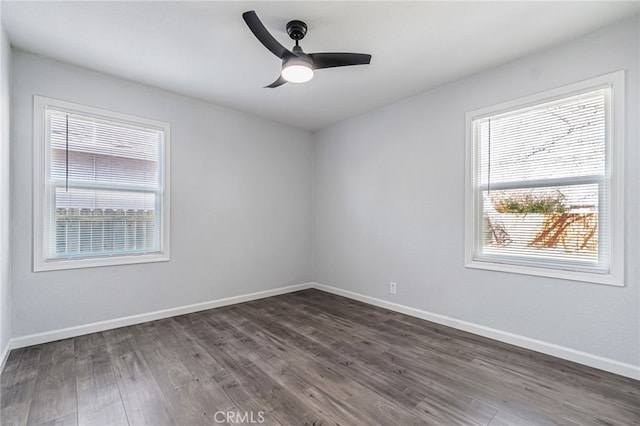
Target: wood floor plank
323,393
363,371
576,405
286,408
304,358
221,371
99,401
547,406
58,351
222,393
505,419
54,395
184,393
375,358
11,366
18,386
141,396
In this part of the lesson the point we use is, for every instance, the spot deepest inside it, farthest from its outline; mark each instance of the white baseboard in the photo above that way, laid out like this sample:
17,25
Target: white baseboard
4,355
558,351
65,333
612,366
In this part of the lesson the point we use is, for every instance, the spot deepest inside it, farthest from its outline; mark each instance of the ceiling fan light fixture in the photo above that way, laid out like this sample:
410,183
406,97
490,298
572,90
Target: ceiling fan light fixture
297,73
297,69
297,66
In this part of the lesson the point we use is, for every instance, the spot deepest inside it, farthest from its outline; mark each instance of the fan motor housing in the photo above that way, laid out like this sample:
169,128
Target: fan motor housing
296,29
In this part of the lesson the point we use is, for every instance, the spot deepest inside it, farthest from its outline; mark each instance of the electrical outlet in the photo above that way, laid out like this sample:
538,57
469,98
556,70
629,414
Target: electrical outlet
392,288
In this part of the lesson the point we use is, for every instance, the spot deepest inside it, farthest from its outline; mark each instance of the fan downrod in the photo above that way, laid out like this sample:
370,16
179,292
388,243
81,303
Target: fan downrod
296,29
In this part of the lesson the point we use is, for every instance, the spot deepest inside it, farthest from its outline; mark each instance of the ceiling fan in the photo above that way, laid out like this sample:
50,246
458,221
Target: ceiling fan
298,66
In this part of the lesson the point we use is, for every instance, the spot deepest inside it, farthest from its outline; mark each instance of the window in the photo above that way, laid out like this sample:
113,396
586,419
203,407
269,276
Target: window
544,184
101,193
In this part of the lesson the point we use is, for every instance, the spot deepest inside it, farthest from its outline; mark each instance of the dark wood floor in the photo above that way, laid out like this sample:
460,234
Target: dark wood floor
304,358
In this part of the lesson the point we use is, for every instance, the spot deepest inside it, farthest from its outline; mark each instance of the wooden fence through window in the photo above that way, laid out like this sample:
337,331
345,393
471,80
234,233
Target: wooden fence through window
105,231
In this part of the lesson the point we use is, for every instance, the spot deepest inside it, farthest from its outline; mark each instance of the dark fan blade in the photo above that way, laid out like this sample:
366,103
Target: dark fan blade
329,60
263,35
279,82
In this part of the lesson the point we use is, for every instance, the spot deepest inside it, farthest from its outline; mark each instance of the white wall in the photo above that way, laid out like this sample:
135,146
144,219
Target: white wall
389,206
5,252
240,214
388,200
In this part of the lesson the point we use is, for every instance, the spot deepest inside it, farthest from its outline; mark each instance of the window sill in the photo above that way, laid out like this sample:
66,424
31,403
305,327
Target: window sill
63,264
587,277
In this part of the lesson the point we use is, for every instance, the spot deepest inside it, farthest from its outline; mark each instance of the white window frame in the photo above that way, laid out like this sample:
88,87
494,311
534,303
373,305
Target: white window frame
614,177
41,151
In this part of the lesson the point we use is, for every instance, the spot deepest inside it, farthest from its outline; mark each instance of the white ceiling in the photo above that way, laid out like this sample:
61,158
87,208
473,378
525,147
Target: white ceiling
203,49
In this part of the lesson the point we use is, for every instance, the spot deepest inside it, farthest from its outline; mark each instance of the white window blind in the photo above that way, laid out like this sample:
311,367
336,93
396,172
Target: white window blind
541,184
103,188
